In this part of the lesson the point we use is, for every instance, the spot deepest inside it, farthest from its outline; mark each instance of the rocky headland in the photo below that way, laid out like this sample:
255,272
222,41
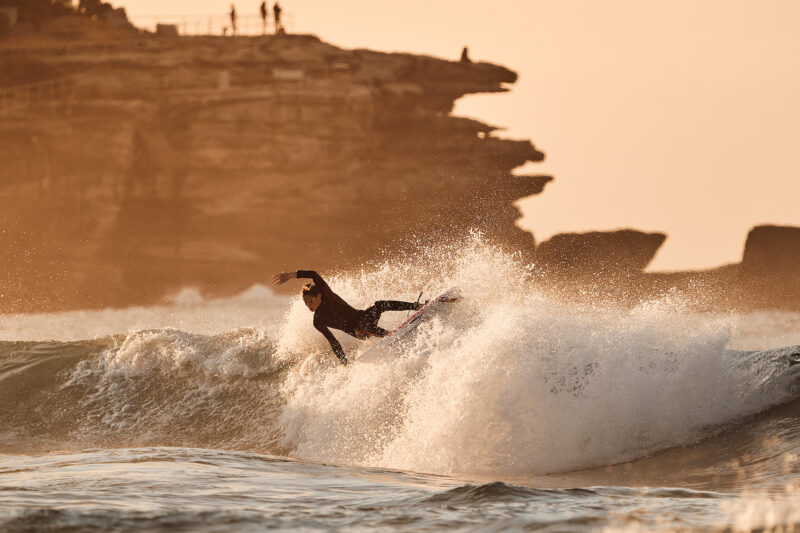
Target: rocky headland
610,266
134,165
141,164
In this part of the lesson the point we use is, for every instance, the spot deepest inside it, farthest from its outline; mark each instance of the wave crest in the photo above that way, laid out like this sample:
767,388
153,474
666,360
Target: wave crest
510,382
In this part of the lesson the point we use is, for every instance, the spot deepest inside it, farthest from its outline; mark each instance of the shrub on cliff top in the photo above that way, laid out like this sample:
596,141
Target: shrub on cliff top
94,8
35,12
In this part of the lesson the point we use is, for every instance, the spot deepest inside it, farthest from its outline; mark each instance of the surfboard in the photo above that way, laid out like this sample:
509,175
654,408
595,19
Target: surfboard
392,344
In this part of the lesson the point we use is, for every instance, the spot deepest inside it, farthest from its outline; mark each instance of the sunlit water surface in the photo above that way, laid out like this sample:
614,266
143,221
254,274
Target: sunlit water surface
510,412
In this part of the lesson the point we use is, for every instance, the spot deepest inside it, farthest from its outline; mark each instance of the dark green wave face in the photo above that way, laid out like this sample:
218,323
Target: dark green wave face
162,430
246,391
32,400
501,383
137,390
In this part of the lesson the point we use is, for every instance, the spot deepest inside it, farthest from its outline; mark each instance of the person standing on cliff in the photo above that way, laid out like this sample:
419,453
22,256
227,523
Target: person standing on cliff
331,311
276,15
233,20
465,55
264,18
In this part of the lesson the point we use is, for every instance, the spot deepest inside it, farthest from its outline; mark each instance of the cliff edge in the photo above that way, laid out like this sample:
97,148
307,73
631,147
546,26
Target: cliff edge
135,165
146,164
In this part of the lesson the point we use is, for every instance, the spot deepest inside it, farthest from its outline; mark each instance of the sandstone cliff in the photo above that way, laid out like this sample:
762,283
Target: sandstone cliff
150,164
135,165
610,266
603,254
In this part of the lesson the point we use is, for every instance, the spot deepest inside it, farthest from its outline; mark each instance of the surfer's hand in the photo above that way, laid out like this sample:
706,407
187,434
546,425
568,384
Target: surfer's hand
281,277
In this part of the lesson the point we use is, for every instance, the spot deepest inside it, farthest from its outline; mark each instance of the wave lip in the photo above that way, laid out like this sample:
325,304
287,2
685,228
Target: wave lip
498,491
507,383
239,391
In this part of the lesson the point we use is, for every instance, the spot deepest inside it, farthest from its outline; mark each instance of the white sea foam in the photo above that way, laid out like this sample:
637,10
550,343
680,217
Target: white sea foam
187,310
508,382
513,383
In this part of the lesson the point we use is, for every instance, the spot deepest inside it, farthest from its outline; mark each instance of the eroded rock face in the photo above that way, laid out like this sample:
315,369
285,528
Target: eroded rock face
769,274
771,250
211,162
625,252
147,165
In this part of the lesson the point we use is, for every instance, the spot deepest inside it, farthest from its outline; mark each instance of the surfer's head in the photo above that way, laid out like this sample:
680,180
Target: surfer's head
312,296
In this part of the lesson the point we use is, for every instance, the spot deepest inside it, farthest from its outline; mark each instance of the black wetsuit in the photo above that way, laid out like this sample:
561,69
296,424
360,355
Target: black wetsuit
335,313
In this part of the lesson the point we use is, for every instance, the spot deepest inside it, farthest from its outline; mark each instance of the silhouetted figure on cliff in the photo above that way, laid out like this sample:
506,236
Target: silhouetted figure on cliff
276,15
263,18
233,19
465,55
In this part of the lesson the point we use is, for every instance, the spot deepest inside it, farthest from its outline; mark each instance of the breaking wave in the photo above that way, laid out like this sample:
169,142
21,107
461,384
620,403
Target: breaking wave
509,382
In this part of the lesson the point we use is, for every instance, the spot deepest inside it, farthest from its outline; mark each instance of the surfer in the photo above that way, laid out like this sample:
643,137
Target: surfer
331,311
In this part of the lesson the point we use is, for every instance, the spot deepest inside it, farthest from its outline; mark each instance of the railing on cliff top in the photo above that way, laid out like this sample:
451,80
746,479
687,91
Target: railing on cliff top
57,95
50,94
216,24
58,92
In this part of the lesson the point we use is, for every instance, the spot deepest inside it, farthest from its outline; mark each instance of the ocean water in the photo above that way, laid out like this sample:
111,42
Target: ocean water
513,411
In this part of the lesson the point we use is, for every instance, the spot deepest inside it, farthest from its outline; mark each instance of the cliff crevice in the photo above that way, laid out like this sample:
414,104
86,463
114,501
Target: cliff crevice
164,163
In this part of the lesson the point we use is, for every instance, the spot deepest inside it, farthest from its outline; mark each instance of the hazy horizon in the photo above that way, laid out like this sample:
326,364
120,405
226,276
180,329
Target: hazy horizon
679,118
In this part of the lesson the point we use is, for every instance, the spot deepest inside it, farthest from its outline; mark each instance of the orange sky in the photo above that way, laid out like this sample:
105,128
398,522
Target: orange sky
679,116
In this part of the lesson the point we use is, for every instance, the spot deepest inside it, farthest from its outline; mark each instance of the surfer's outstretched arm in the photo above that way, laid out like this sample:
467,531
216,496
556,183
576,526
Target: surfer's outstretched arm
313,276
283,277
337,348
